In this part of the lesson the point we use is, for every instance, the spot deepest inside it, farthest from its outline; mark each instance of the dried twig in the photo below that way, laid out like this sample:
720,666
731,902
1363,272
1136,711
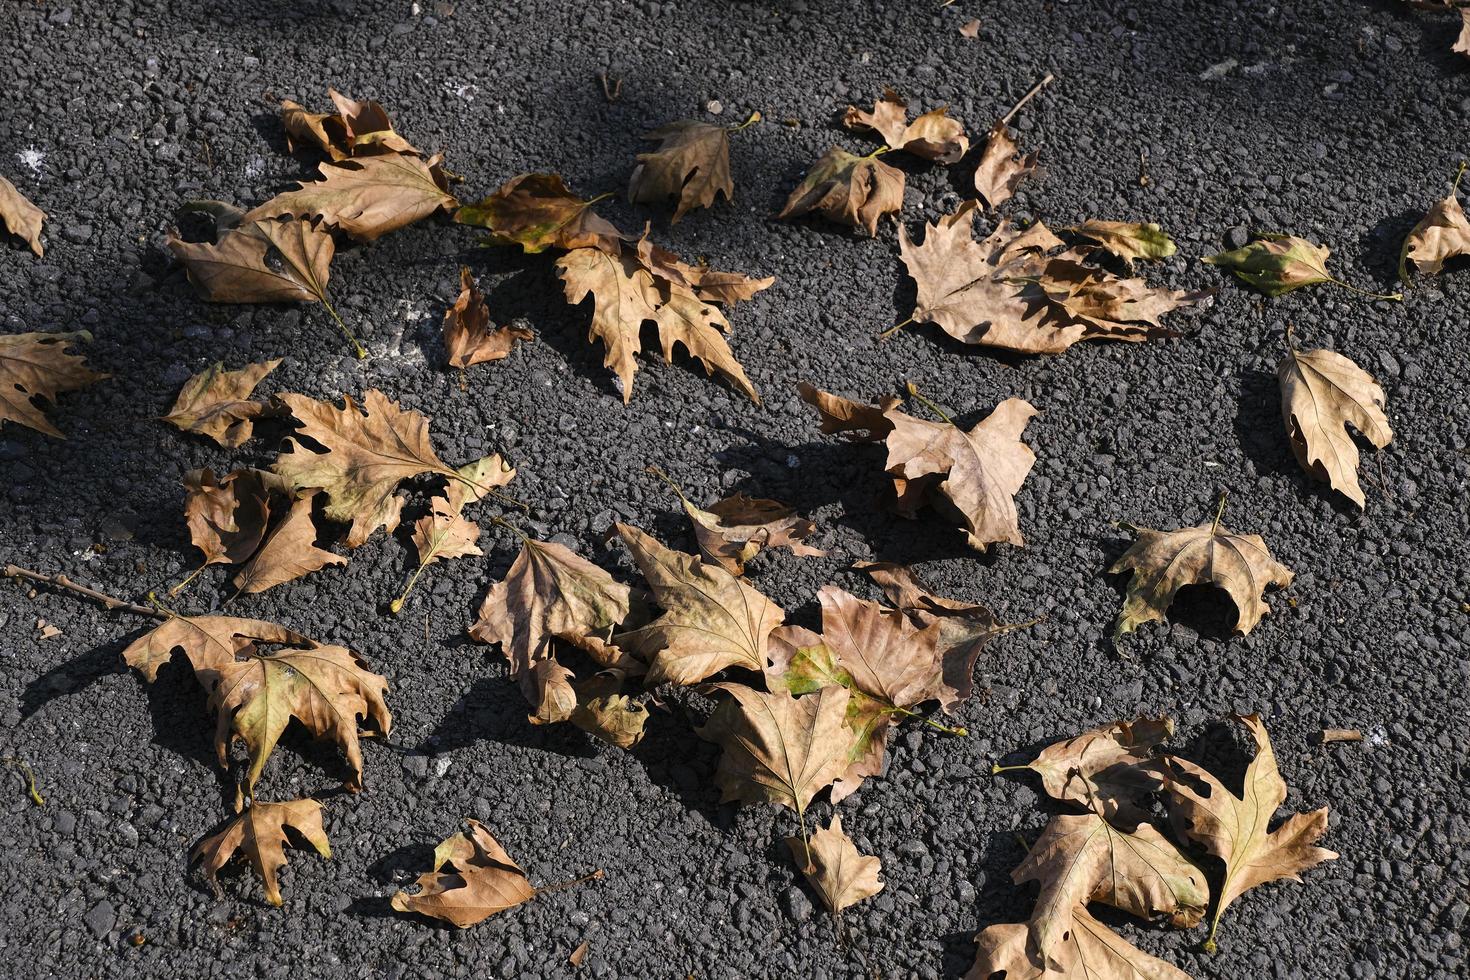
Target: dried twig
112,603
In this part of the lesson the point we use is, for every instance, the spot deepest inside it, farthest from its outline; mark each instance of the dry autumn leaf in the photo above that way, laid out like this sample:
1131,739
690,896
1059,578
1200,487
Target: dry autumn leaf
216,403
209,642
848,190
1091,951
712,620
552,594
1163,562
734,530
537,212
366,197
259,835
1002,168
1277,264
840,873
1322,393
606,713
36,366
1107,769
1235,828
21,217
692,164
1462,43
1128,240
1081,858
445,532
355,129
777,748
932,136
970,29
288,553
365,454
626,293
468,338
482,880
1443,233
227,518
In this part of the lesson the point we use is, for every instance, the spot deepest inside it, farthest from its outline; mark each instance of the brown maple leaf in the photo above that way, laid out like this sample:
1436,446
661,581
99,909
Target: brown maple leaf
355,129
711,620
552,594
777,748
735,529
1163,562
1128,240
209,642
366,197
468,338
21,217
857,420
1090,951
38,366
482,880
1002,168
216,403
1081,858
932,136
692,163
366,453
605,712
1107,769
259,835
1235,828
841,874
260,262
288,553
1443,233
1322,393
445,532
848,190
227,518
536,212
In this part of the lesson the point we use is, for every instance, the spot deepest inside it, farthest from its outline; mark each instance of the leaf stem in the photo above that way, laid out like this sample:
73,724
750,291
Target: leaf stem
915,394
483,491
1455,187
30,778
111,603
885,148
507,524
357,347
397,604
653,470
601,197
1219,513
192,576
806,840
895,329
1393,297
907,713
1046,80
597,875
755,117
996,768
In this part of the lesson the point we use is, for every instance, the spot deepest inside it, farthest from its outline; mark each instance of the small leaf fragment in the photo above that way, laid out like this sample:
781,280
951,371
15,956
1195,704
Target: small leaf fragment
1002,168
22,218
481,881
537,212
734,530
1108,770
227,518
932,136
1443,233
289,553
468,337
1129,240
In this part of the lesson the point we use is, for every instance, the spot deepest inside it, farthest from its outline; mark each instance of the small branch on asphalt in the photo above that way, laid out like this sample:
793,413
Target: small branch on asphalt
1045,81
112,603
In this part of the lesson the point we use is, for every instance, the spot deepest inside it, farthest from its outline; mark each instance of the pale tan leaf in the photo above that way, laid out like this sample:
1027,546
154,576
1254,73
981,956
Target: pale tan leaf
482,880
1002,168
216,403
367,197
38,366
21,217
1322,393
841,874
259,835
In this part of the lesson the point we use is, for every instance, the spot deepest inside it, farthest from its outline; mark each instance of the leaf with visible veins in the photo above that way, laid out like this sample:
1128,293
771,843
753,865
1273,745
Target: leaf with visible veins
22,218
839,872
605,712
1163,562
1107,769
260,262
1443,233
537,212
288,553
711,620
1322,393
482,880
932,136
209,642
734,530
848,190
1002,168
366,197
259,835
468,338
1128,240
216,403
39,366
1235,828
1090,951
692,163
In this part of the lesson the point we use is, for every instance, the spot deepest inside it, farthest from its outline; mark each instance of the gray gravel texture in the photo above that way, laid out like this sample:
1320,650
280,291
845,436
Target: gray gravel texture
1341,122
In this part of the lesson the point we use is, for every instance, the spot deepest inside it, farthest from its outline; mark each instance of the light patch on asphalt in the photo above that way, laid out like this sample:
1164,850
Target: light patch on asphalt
33,158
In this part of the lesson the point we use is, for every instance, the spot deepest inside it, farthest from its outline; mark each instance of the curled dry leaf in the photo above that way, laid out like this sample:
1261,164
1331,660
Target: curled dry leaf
355,129
1163,562
1002,168
35,366
289,553
606,713
735,529
216,403
847,189
932,136
260,262
1128,240
1081,858
1089,951
1235,828
1443,233
366,453
1277,264
537,212
1322,393
260,835
255,692
1107,769
626,293
227,518
481,881
692,163
777,748
841,874
552,594
366,197
21,217
468,337
711,620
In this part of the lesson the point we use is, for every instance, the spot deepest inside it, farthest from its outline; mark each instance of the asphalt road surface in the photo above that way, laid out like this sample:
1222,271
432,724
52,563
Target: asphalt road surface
1340,122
